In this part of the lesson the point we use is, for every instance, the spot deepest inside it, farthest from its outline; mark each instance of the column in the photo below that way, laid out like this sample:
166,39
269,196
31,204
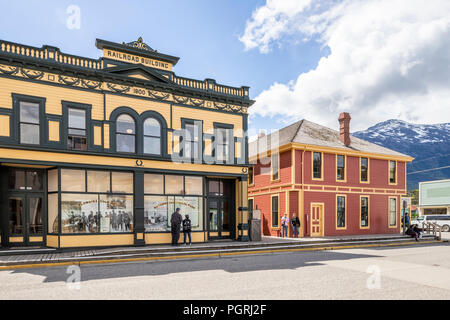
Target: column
139,228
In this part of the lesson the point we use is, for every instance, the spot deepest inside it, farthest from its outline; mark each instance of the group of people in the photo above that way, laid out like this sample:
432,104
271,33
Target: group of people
175,223
119,222
295,222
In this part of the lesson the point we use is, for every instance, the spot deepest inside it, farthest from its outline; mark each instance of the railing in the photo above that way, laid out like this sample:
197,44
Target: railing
48,53
432,228
211,86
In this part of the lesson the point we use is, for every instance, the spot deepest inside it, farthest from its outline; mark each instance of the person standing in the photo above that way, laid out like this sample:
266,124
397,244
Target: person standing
175,223
285,225
187,228
295,226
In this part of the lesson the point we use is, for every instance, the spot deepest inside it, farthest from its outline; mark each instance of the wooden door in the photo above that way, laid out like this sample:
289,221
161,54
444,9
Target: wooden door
316,220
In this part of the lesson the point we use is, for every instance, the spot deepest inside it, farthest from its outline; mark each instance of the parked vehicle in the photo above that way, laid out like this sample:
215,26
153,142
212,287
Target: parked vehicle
441,220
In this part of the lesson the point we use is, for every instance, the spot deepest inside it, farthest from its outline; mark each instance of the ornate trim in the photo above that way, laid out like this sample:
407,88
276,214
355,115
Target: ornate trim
157,96
69,80
91,84
115,88
11,71
32,74
182,100
139,44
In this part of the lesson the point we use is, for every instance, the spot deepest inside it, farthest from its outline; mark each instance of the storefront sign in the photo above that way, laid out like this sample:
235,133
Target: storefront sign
130,58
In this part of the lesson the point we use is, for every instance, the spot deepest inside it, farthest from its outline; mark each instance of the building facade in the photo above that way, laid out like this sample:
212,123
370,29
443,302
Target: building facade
100,152
335,183
434,197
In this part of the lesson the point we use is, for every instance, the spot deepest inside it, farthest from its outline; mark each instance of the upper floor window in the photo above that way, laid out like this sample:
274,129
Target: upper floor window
191,140
76,131
392,172
275,166
364,168
340,165
317,165
29,122
152,136
223,144
125,134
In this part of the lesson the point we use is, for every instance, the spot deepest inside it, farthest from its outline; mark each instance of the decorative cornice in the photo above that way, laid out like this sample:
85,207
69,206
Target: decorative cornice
139,44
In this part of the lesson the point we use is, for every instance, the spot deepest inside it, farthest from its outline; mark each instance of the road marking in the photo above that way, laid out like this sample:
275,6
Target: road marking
205,255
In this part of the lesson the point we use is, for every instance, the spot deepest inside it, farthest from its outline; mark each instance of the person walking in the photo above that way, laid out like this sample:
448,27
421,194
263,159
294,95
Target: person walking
175,223
285,225
295,226
187,228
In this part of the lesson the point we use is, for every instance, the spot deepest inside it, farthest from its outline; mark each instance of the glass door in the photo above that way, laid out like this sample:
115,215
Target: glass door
26,224
219,209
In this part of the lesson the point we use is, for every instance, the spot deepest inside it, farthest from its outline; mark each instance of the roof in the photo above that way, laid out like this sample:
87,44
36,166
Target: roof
310,133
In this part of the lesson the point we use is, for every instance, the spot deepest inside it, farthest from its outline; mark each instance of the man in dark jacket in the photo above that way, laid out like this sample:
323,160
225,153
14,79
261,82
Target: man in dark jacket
175,223
187,228
295,226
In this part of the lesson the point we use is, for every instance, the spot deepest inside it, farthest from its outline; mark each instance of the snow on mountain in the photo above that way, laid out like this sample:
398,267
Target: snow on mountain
428,144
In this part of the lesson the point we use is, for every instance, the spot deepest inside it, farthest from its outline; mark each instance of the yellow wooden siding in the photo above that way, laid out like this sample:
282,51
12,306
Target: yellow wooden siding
169,143
166,238
208,147
54,96
53,131
208,117
97,135
97,240
237,149
52,241
5,130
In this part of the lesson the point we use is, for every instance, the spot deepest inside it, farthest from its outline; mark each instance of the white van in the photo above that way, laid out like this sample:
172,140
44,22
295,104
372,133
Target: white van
441,220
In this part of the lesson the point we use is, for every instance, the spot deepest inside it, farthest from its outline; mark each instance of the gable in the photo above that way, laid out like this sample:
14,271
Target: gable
138,72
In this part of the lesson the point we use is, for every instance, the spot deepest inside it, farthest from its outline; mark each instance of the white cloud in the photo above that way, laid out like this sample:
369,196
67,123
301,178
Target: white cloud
388,59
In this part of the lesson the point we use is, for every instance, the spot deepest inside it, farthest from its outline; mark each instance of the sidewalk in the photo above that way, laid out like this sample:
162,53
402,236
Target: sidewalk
202,250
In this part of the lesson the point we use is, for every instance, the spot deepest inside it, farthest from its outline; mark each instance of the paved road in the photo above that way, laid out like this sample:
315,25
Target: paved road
418,272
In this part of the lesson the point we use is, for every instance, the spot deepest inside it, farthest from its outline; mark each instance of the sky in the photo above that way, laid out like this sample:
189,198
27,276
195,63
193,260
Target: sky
303,59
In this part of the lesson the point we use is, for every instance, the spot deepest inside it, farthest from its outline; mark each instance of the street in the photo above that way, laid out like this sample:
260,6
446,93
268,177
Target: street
415,272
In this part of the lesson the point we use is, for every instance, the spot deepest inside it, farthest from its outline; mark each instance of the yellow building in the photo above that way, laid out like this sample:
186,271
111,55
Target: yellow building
101,152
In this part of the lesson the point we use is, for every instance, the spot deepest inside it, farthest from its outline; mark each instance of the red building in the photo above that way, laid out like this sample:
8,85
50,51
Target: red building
335,183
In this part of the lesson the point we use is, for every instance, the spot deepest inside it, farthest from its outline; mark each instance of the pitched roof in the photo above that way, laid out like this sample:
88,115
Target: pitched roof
310,133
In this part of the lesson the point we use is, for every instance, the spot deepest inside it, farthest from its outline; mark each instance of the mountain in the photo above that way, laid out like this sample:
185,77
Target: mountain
428,144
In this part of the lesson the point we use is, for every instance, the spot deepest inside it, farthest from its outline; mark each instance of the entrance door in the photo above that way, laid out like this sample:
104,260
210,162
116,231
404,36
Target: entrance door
219,209
26,225
316,220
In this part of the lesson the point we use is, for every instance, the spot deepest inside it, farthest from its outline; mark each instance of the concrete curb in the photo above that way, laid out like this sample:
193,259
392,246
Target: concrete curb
197,255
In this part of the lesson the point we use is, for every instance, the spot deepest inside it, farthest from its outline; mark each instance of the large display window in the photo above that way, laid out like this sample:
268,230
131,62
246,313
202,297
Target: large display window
182,192
93,202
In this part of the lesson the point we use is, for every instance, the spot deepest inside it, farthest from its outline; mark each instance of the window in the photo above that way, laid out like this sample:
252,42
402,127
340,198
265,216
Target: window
29,122
76,130
275,213
317,165
392,172
223,144
275,167
250,206
152,137
340,165
125,134
364,166
30,180
364,212
108,207
341,213
159,205
191,140
251,176
392,212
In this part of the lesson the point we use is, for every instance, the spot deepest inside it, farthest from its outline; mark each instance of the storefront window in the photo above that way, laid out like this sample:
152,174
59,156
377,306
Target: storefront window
99,181
53,223
158,211
116,213
52,180
154,184
174,185
194,186
73,180
122,182
79,213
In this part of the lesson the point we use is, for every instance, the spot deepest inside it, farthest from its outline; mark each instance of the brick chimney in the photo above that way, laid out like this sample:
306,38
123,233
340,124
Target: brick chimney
344,122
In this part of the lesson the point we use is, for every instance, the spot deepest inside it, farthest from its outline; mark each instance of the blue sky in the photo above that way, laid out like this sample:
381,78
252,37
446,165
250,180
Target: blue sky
376,59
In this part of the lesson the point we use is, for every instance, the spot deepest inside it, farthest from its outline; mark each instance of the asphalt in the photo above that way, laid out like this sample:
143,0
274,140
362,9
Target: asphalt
414,272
